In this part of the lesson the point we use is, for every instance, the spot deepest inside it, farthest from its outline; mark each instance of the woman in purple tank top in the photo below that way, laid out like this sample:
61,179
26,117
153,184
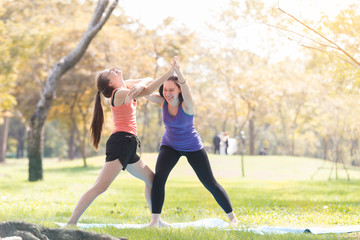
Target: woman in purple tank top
181,139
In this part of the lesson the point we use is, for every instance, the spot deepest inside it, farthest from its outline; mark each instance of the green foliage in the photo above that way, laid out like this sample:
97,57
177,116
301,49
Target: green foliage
6,77
21,38
54,143
275,192
291,100
296,105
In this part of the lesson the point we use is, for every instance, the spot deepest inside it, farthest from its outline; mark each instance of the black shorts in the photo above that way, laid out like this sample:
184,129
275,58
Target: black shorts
122,146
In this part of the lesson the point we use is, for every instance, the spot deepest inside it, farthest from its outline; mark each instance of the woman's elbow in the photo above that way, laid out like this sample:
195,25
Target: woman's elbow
146,91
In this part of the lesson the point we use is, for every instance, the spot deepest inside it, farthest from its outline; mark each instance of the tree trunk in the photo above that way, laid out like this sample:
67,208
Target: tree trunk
252,135
159,110
20,142
284,130
71,143
337,154
4,138
293,128
38,119
35,149
159,133
74,130
326,147
292,146
145,124
224,124
83,143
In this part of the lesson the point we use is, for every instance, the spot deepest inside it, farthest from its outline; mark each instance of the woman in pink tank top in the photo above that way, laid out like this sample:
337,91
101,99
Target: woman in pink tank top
122,144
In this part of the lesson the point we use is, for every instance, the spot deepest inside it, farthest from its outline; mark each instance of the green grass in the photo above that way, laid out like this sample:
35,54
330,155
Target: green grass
276,191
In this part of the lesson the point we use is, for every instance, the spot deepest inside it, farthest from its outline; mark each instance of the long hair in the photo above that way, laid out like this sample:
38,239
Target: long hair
97,122
176,81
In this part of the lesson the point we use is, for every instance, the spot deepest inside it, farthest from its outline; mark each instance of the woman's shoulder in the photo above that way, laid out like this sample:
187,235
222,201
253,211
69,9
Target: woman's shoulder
118,91
187,110
118,96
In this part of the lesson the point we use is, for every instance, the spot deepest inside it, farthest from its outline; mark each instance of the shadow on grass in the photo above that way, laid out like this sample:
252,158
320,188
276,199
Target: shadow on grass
78,169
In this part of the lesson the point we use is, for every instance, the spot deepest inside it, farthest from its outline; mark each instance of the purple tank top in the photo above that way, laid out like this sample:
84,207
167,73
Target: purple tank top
180,133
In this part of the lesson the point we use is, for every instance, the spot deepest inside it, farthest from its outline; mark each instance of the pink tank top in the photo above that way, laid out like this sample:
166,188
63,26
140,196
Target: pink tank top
124,116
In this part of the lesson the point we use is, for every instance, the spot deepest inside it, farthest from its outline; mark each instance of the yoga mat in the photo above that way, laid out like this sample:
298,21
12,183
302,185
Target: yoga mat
313,230
219,223
209,223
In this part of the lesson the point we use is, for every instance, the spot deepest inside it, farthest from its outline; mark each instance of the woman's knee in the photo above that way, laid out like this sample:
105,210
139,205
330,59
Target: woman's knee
159,179
212,186
100,188
149,181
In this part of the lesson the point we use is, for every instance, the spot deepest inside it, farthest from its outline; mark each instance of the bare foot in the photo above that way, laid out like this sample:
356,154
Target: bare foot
234,222
233,219
164,224
159,223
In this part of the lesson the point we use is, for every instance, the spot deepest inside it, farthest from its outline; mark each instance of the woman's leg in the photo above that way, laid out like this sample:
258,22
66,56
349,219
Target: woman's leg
106,177
199,161
166,161
143,172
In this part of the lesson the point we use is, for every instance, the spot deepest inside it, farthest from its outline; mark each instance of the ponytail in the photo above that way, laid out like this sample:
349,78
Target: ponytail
102,84
97,121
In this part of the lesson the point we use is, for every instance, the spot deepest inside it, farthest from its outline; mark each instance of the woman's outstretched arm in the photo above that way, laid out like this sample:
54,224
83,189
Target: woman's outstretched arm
188,103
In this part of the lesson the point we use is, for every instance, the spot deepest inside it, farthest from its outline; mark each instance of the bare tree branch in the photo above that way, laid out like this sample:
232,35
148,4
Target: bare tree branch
337,55
357,64
286,30
301,35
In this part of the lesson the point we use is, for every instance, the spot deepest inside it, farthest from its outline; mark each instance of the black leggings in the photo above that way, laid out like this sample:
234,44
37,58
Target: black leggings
167,159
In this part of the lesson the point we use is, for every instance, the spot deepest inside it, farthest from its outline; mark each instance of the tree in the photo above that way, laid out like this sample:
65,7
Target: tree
43,106
314,37
295,98
16,45
4,136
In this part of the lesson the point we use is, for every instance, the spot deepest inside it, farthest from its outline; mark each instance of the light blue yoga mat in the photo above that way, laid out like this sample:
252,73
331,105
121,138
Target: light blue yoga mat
209,222
313,230
219,223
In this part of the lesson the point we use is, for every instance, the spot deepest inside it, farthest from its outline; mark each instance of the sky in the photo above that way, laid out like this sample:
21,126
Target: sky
192,13
195,14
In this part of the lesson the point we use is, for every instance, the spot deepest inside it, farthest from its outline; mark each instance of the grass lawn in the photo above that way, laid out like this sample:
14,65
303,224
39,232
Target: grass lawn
276,191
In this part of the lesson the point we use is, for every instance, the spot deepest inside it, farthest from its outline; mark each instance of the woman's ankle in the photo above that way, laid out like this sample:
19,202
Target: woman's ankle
155,217
232,217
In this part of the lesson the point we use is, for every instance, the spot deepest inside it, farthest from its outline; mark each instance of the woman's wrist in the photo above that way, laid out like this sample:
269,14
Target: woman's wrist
183,81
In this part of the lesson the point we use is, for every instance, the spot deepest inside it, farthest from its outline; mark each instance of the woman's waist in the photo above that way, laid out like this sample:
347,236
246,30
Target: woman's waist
130,129
179,136
191,144
180,130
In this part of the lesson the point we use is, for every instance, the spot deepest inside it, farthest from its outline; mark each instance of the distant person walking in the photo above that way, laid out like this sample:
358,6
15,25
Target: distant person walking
263,151
216,143
225,141
122,144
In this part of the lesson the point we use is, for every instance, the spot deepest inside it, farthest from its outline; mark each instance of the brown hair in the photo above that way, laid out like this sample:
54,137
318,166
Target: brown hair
97,123
176,81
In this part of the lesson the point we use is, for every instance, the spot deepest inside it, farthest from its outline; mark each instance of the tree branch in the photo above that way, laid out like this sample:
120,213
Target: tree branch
94,27
299,34
323,37
100,9
337,55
